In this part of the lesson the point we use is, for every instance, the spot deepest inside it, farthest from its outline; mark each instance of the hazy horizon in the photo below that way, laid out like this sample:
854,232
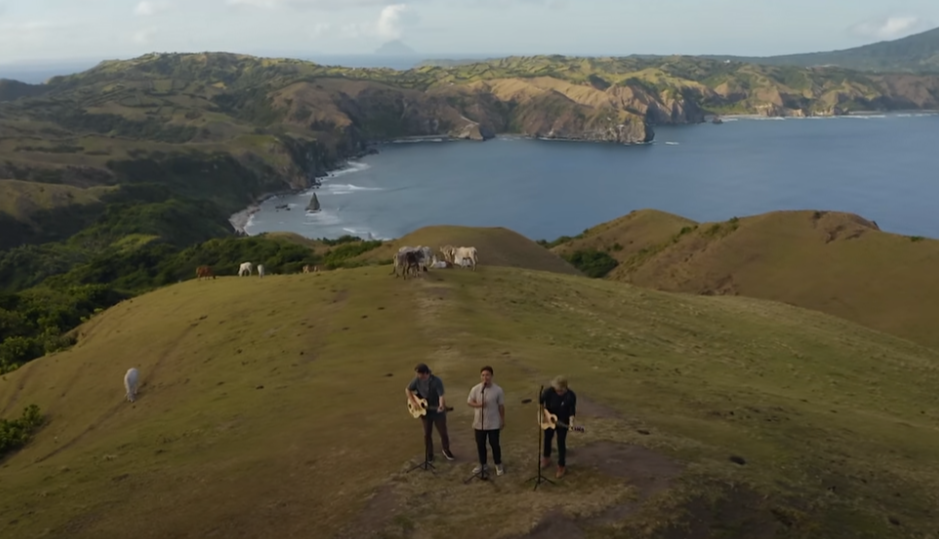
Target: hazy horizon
70,32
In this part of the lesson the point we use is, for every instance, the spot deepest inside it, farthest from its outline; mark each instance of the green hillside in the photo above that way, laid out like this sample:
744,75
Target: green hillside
272,408
837,263
915,54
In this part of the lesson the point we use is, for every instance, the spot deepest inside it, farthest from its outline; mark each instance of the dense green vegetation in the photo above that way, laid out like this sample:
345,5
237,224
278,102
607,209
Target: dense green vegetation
591,262
15,433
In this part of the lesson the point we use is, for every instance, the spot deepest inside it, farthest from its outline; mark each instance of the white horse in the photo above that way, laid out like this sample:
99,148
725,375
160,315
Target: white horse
245,269
260,270
130,383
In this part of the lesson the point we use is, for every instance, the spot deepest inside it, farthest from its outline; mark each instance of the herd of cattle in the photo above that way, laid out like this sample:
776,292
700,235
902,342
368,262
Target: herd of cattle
409,260
417,259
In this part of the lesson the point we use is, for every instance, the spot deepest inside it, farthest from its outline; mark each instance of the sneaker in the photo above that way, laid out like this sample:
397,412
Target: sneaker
561,471
480,467
448,454
545,462
499,469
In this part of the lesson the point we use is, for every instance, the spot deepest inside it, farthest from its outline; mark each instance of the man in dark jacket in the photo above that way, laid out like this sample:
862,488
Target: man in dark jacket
427,386
562,402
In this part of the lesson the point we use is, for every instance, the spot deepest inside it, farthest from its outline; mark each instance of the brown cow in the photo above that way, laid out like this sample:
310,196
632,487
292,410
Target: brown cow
204,272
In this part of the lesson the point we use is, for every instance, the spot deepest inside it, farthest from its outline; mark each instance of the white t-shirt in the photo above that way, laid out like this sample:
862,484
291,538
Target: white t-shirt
494,398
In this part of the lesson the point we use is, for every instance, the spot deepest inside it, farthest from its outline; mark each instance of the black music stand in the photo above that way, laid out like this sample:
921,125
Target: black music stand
483,473
540,478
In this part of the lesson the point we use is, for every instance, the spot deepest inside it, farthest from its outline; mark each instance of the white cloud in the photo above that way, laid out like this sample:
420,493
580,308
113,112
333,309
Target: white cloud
148,8
892,27
392,23
394,20
144,36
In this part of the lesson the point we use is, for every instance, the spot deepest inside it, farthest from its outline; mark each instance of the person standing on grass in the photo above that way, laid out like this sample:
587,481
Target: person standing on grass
488,419
562,402
430,387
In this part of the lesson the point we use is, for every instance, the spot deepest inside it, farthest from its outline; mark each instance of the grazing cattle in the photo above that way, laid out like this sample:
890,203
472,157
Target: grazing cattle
245,269
465,253
448,251
421,259
204,272
260,270
412,260
130,383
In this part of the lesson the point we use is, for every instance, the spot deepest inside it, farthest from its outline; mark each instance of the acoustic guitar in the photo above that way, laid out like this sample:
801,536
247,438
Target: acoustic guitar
553,423
421,410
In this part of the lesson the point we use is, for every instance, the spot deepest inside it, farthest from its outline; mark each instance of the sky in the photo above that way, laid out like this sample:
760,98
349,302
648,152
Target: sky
33,31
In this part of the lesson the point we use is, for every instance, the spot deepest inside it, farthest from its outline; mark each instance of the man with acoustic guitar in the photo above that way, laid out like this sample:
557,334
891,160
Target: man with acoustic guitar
430,388
561,402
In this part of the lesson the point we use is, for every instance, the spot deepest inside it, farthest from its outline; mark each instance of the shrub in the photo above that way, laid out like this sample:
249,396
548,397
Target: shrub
592,263
15,433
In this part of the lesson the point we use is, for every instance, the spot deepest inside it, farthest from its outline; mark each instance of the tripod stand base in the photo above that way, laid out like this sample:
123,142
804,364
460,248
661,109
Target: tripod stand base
539,479
426,466
482,475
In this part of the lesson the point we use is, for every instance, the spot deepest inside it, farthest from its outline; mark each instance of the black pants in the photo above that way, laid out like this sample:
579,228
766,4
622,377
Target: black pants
493,436
440,421
562,444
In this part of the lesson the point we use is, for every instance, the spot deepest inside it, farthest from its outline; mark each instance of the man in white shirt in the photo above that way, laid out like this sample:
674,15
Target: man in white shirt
489,418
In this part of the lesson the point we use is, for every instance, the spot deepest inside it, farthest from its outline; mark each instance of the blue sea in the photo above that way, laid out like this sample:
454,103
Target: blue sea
884,167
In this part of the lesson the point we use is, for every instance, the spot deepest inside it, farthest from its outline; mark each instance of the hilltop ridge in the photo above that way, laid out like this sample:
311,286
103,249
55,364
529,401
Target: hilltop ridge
918,53
834,262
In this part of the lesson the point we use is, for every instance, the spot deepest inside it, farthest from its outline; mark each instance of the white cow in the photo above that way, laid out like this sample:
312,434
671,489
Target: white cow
448,251
245,269
260,270
465,253
130,383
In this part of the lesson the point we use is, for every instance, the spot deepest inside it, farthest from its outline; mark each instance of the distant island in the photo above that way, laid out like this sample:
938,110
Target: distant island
395,48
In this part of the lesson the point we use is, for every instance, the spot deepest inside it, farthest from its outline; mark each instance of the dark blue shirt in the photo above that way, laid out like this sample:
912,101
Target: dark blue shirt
430,389
564,406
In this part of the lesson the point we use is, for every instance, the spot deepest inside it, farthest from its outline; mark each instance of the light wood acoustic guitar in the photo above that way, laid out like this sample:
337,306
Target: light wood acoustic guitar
553,423
421,410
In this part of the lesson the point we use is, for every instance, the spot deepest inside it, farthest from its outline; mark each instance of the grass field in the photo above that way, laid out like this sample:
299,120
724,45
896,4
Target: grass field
273,408
833,262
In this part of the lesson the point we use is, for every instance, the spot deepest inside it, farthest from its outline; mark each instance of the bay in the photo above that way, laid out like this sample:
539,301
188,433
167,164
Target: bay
884,167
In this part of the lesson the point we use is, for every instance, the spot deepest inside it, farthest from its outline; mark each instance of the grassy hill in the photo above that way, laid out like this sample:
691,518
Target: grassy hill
833,262
272,408
497,246
916,53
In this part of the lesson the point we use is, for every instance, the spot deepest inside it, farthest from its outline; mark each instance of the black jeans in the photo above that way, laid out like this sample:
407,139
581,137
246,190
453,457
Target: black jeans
440,420
562,444
493,436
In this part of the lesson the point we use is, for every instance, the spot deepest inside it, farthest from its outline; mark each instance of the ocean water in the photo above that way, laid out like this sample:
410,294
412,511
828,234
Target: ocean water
883,167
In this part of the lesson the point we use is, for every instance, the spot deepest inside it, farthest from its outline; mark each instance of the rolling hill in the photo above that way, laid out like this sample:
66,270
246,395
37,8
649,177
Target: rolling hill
917,53
833,262
272,408
498,246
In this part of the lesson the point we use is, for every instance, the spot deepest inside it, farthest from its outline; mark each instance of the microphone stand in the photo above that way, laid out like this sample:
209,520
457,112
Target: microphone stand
426,465
540,478
483,473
